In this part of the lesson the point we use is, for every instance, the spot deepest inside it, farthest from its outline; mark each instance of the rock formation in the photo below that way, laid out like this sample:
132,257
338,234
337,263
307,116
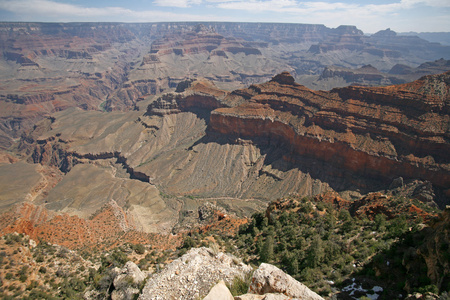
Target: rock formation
193,275
219,292
400,138
274,139
127,282
367,75
269,279
48,67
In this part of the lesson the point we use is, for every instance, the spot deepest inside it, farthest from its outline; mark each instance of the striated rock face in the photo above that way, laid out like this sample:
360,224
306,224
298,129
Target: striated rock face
380,44
341,38
49,67
200,39
370,76
192,275
270,279
201,95
380,133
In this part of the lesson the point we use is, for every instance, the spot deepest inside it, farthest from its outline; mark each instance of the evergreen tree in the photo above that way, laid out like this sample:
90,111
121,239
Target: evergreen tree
316,252
266,254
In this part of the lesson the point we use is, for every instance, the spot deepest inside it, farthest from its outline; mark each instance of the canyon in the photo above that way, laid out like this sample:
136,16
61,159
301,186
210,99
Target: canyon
140,125
125,146
48,67
153,167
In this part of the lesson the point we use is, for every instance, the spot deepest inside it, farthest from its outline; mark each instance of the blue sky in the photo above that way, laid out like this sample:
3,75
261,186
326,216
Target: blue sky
369,16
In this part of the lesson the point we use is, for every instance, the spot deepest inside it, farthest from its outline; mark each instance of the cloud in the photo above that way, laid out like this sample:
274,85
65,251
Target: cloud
252,5
307,7
403,15
47,10
54,8
431,3
176,3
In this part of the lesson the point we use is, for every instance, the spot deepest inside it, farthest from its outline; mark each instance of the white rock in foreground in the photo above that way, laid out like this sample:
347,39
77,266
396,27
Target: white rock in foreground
269,279
219,292
192,275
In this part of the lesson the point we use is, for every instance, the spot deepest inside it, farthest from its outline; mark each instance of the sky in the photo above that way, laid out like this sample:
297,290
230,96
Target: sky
369,16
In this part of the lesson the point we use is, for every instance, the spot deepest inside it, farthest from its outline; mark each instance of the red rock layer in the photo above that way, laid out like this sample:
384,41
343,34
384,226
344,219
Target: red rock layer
201,39
108,228
379,133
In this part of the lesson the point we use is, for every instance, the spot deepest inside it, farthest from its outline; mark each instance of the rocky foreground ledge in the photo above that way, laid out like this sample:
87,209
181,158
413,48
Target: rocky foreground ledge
205,271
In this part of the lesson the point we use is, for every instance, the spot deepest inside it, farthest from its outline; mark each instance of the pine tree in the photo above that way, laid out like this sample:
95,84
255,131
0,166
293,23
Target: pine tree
266,254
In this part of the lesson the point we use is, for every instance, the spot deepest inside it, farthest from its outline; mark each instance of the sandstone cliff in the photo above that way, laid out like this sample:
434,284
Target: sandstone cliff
48,67
367,75
348,128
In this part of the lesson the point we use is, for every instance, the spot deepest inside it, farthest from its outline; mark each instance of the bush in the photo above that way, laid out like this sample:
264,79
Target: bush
23,273
139,249
240,285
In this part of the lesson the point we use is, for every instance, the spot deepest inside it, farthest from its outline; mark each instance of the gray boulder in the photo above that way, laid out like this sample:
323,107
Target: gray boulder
269,279
192,275
127,281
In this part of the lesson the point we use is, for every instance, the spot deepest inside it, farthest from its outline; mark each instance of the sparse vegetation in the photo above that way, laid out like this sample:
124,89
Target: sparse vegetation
323,247
314,242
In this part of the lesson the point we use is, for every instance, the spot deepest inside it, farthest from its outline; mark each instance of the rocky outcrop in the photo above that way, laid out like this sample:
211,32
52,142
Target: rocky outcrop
341,38
348,128
127,282
192,275
201,95
270,279
370,76
200,39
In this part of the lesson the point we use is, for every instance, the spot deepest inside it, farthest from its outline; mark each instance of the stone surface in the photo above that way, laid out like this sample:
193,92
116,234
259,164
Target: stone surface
264,297
270,279
127,281
192,275
219,292
249,297
348,128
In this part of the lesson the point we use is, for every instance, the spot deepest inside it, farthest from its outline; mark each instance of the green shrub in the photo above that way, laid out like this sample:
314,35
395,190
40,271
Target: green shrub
240,285
139,249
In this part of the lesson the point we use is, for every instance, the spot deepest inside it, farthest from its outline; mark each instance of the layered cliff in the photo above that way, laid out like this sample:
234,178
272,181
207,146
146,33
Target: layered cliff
51,67
367,75
379,133
48,67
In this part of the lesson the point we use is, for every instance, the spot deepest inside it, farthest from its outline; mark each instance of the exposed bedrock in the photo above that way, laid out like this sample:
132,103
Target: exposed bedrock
376,133
364,135
53,152
336,153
